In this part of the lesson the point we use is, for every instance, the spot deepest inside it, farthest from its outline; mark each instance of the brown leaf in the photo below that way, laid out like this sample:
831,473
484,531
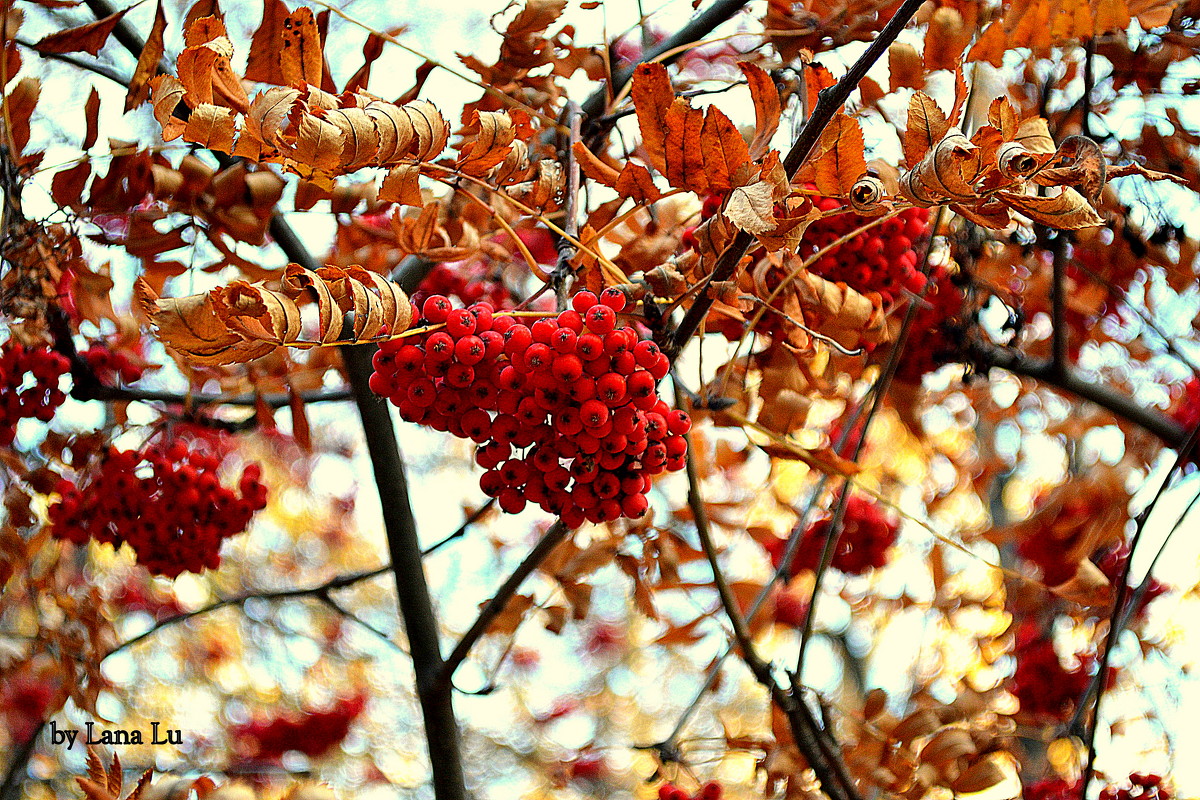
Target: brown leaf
205,71
400,185
636,182
148,60
948,171
86,38
926,127
91,118
1082,164
682,152
429,128
265,62
652,97
905,67
751,207
211,126
491,145
767,109
19,105
372,50
300,48
67,185
945,39
361,144
191,325
1068,210
724,150
593,167
318,149
839,159
167,93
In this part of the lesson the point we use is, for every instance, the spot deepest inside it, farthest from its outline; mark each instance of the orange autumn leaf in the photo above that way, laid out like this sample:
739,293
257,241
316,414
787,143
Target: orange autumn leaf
83,39
147,65
767,110
265,63
299,52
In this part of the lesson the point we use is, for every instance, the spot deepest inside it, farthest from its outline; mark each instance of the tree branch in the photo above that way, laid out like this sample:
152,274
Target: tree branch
984,356
552,538
11,787
829,101
698,28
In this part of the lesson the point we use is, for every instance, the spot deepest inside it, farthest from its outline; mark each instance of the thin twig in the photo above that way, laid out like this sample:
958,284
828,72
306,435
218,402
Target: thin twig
323,589
552,538
103,70
474,517
560,279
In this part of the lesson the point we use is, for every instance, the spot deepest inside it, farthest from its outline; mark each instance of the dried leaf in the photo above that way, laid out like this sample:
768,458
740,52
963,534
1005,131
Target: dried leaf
299,52
839,159
91,118
491,145
724,150
266,46
751,207
19,105
86,38
652,97
205,71
767,110
905,67
148,60
401,185
167,93
1068,210
926,127
945,39
211,127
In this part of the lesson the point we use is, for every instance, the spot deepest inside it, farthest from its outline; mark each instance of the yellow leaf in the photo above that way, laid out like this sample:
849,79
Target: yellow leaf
400,185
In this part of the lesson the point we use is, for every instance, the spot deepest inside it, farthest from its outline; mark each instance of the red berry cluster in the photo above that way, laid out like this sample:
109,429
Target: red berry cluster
28,385
1142,786
709,791
883,259
566,410
868,533
473,281
1043,686
24,701
1052,789
111,365
931,339
166,503
313,732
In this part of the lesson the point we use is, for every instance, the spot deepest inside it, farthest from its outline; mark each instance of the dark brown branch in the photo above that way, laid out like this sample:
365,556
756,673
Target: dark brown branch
835,781
984,356
120,393
320,591
698,28
11,787
560,279
829,101
1058,304
552,539
103,70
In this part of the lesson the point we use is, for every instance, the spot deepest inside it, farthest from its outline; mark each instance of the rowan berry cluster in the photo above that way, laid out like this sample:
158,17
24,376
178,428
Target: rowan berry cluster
111,365
166,503
709,791
473,281
565,411
1044,687
932,340
1187,409
313,732
866,538
883,259
29,378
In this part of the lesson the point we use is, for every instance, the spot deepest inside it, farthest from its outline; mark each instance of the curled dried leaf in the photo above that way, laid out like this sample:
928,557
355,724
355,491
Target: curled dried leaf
867,194
244,321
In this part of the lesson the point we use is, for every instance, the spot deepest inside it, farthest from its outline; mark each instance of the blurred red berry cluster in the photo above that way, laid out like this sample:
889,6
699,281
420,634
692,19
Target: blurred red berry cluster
313,732
29,378
1044,687
566,410
112,365
868,533
165,502
709,791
